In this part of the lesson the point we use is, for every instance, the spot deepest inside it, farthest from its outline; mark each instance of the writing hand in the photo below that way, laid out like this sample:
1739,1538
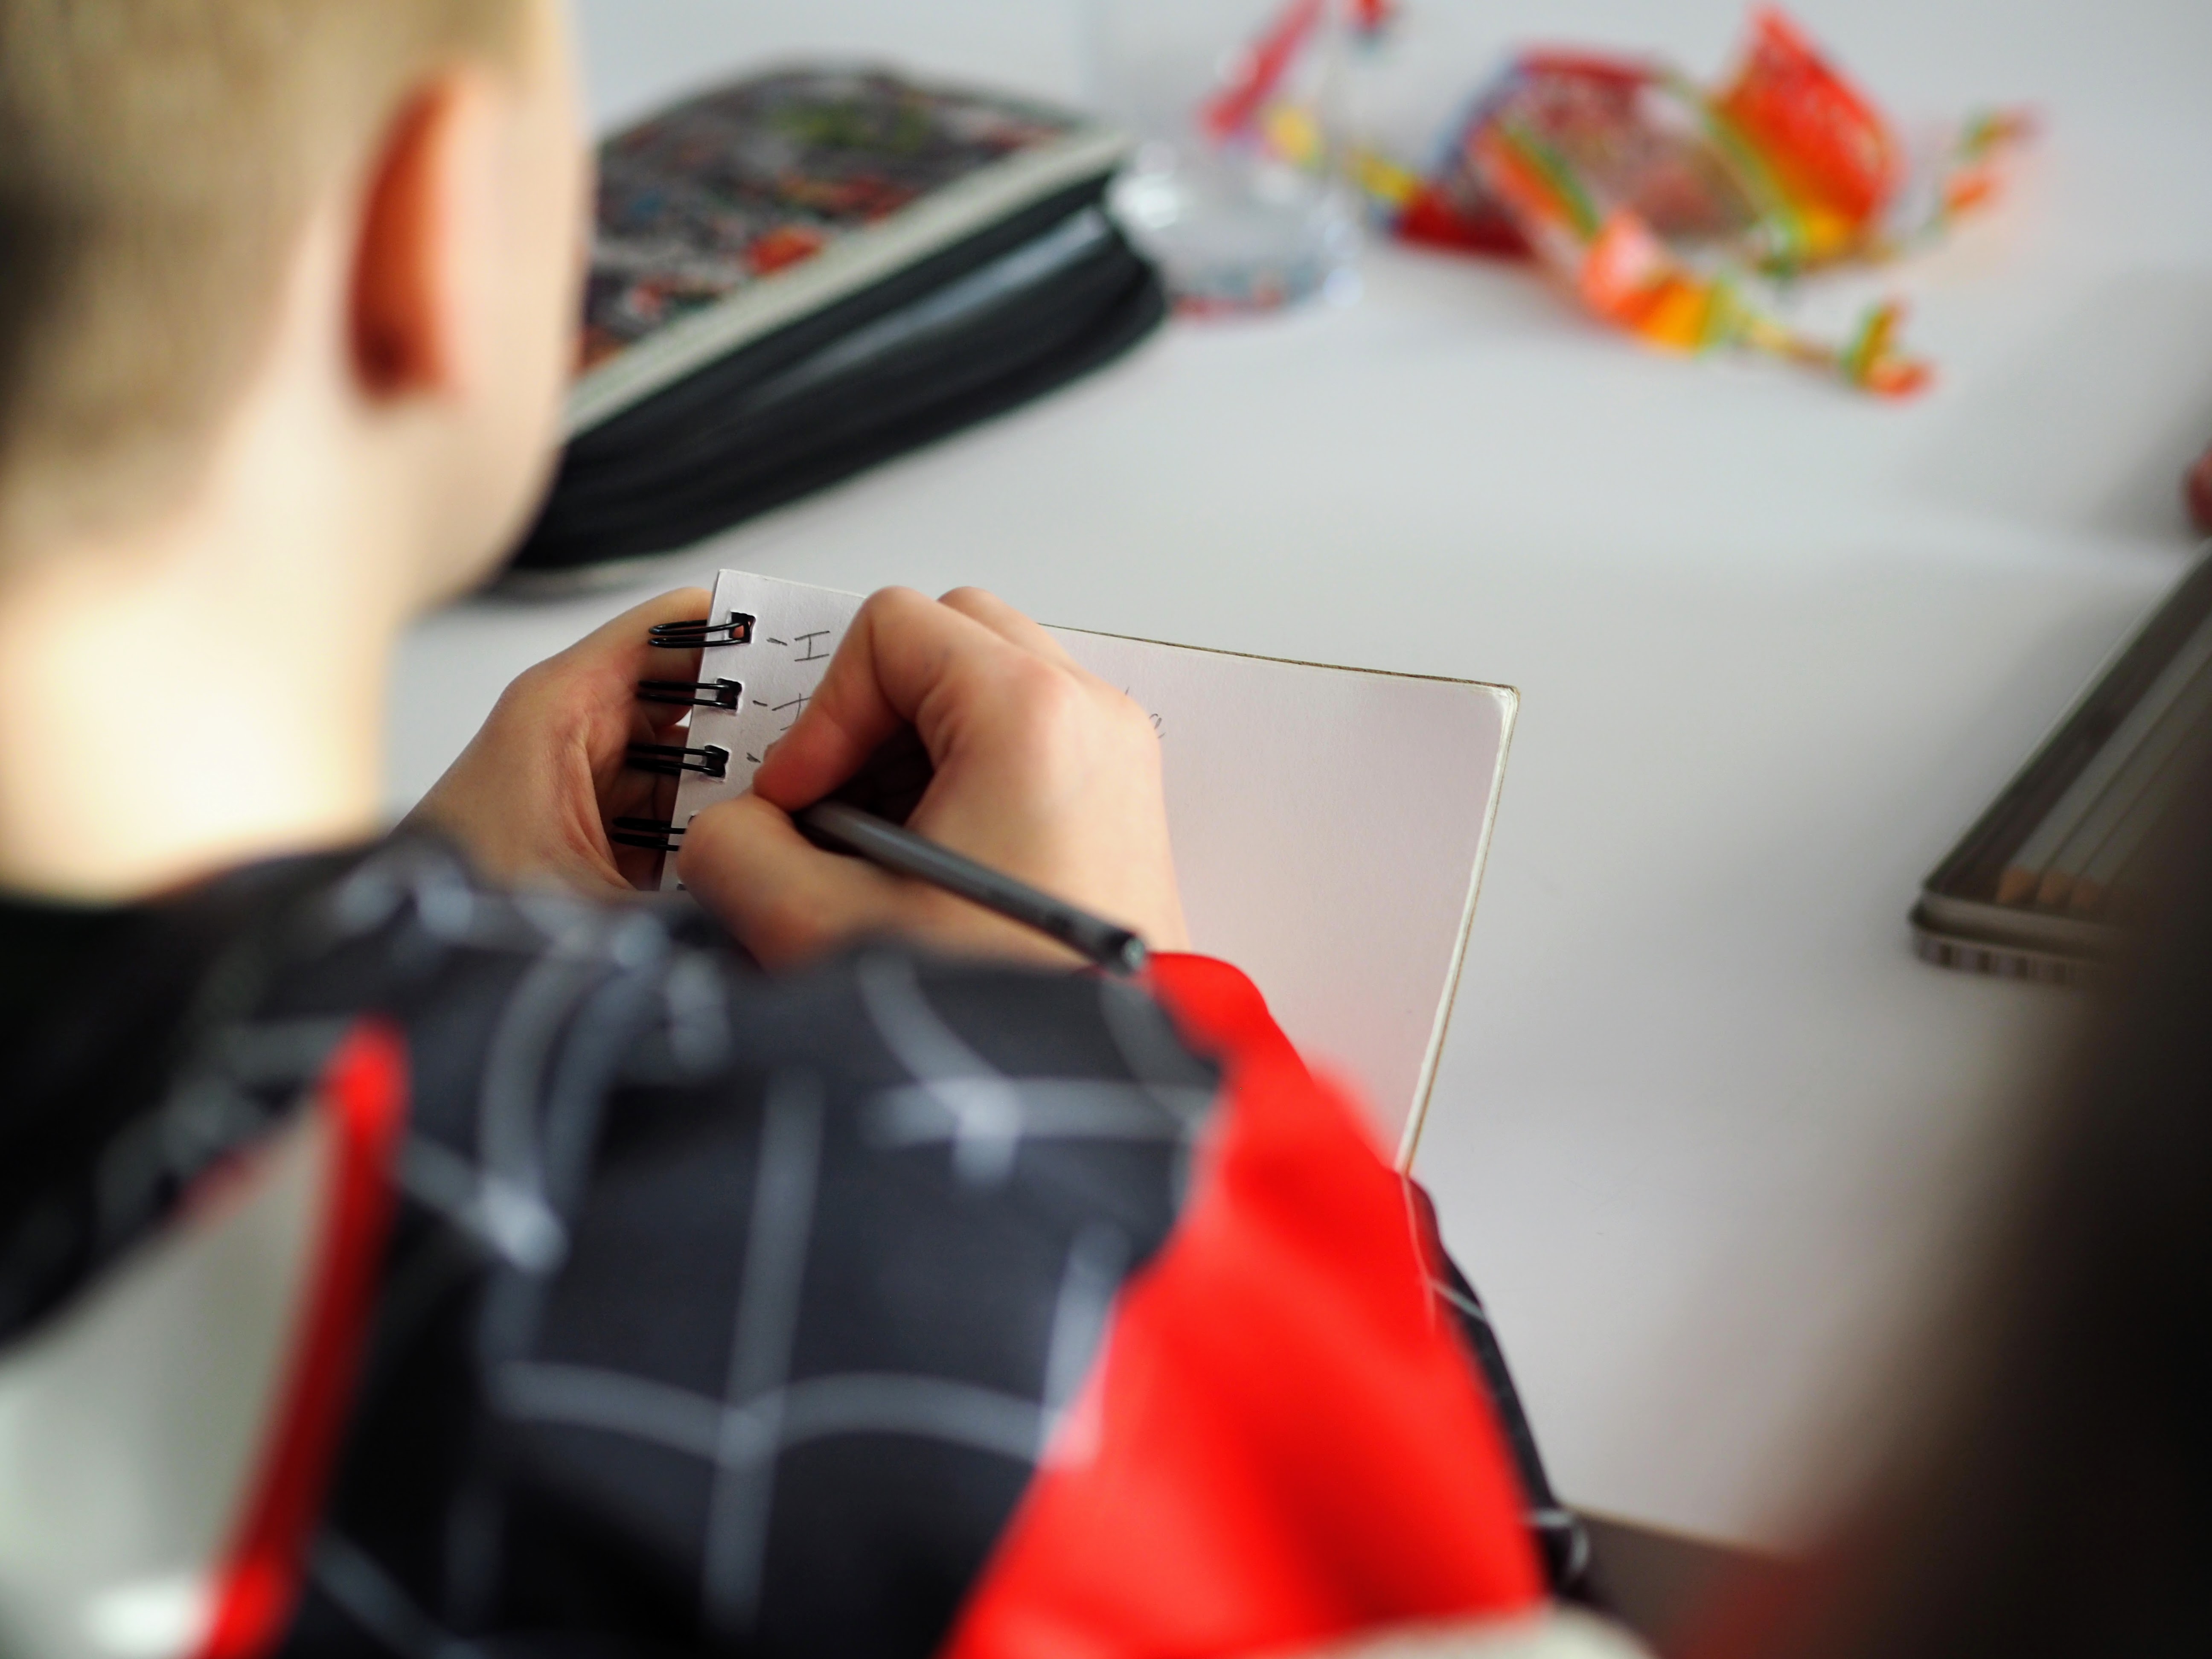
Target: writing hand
1042,770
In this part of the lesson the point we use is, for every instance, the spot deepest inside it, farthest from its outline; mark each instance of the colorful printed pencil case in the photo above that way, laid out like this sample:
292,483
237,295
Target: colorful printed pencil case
799,275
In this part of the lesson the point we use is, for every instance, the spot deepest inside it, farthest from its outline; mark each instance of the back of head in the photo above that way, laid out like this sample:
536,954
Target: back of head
157,161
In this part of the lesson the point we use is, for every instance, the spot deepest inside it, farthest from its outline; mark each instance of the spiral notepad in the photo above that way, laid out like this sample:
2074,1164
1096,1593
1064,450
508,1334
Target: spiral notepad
1330,824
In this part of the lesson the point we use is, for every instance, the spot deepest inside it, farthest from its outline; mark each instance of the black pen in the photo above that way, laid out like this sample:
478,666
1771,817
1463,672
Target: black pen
881,841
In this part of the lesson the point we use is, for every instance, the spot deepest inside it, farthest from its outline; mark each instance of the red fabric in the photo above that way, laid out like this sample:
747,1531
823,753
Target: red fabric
2197,487
1232,109
364,1096
1811,125
1283,1443
1433,219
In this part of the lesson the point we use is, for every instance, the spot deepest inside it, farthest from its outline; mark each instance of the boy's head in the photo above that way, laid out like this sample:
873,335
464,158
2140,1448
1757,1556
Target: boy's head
361,214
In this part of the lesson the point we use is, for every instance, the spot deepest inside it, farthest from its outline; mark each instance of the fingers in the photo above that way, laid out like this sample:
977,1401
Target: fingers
1008,623
1037,768
782,897
624,648
591,687
903,653
532,794
590,690
904,661
786,900
642,795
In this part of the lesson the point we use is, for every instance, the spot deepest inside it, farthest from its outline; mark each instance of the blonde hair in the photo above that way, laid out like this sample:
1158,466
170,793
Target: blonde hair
158,159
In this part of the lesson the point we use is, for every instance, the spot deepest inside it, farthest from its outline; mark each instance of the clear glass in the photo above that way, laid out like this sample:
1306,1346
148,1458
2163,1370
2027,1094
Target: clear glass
1241,215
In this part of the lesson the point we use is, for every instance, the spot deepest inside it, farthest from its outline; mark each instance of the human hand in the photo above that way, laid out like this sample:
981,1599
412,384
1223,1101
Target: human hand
1043,771
532,796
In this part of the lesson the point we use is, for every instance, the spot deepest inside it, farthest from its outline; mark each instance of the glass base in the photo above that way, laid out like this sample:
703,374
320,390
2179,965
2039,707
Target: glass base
1239,234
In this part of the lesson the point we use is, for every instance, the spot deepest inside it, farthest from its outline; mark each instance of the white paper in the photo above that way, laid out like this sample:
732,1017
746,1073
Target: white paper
1329,824
795,631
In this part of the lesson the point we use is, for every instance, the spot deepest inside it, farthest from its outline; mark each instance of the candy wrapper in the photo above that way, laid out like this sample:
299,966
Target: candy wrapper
1676,213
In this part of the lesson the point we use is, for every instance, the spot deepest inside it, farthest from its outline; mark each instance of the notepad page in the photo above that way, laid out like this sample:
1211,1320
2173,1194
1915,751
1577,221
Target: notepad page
1329,824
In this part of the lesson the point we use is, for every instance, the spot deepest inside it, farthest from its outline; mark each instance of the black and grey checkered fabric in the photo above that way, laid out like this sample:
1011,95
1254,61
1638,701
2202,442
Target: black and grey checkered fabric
1559,1531
722,1310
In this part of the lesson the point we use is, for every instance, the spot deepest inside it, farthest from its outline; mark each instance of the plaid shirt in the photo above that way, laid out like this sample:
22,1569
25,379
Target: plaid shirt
769,1314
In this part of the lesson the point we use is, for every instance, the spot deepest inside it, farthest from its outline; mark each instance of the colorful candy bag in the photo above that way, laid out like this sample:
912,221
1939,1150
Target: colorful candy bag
1669,209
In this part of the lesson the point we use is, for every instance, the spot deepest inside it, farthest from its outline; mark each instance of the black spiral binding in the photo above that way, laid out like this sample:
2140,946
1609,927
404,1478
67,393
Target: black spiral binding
673,760
700,631
650,833
693,694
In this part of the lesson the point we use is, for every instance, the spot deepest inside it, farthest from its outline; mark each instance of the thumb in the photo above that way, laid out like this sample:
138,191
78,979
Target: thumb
783,897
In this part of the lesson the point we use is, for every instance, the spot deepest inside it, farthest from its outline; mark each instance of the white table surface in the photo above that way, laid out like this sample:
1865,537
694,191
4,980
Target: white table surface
1704,1126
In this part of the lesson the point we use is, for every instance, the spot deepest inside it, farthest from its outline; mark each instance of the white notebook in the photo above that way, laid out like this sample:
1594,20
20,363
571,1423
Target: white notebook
1329,824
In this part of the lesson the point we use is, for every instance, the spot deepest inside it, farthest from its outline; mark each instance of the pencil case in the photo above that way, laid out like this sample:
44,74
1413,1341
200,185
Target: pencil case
800,275
2045,883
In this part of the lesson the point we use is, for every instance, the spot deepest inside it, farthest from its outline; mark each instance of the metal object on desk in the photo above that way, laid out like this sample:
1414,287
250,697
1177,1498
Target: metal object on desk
2043,886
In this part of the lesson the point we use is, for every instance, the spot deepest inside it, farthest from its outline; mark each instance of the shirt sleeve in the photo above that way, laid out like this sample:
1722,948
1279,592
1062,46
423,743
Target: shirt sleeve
1283,1443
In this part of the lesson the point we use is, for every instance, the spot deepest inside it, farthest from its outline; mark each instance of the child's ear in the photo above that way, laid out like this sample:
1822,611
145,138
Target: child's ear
419,253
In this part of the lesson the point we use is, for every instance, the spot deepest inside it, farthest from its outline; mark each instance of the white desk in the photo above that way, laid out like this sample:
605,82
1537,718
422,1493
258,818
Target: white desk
1703,1122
